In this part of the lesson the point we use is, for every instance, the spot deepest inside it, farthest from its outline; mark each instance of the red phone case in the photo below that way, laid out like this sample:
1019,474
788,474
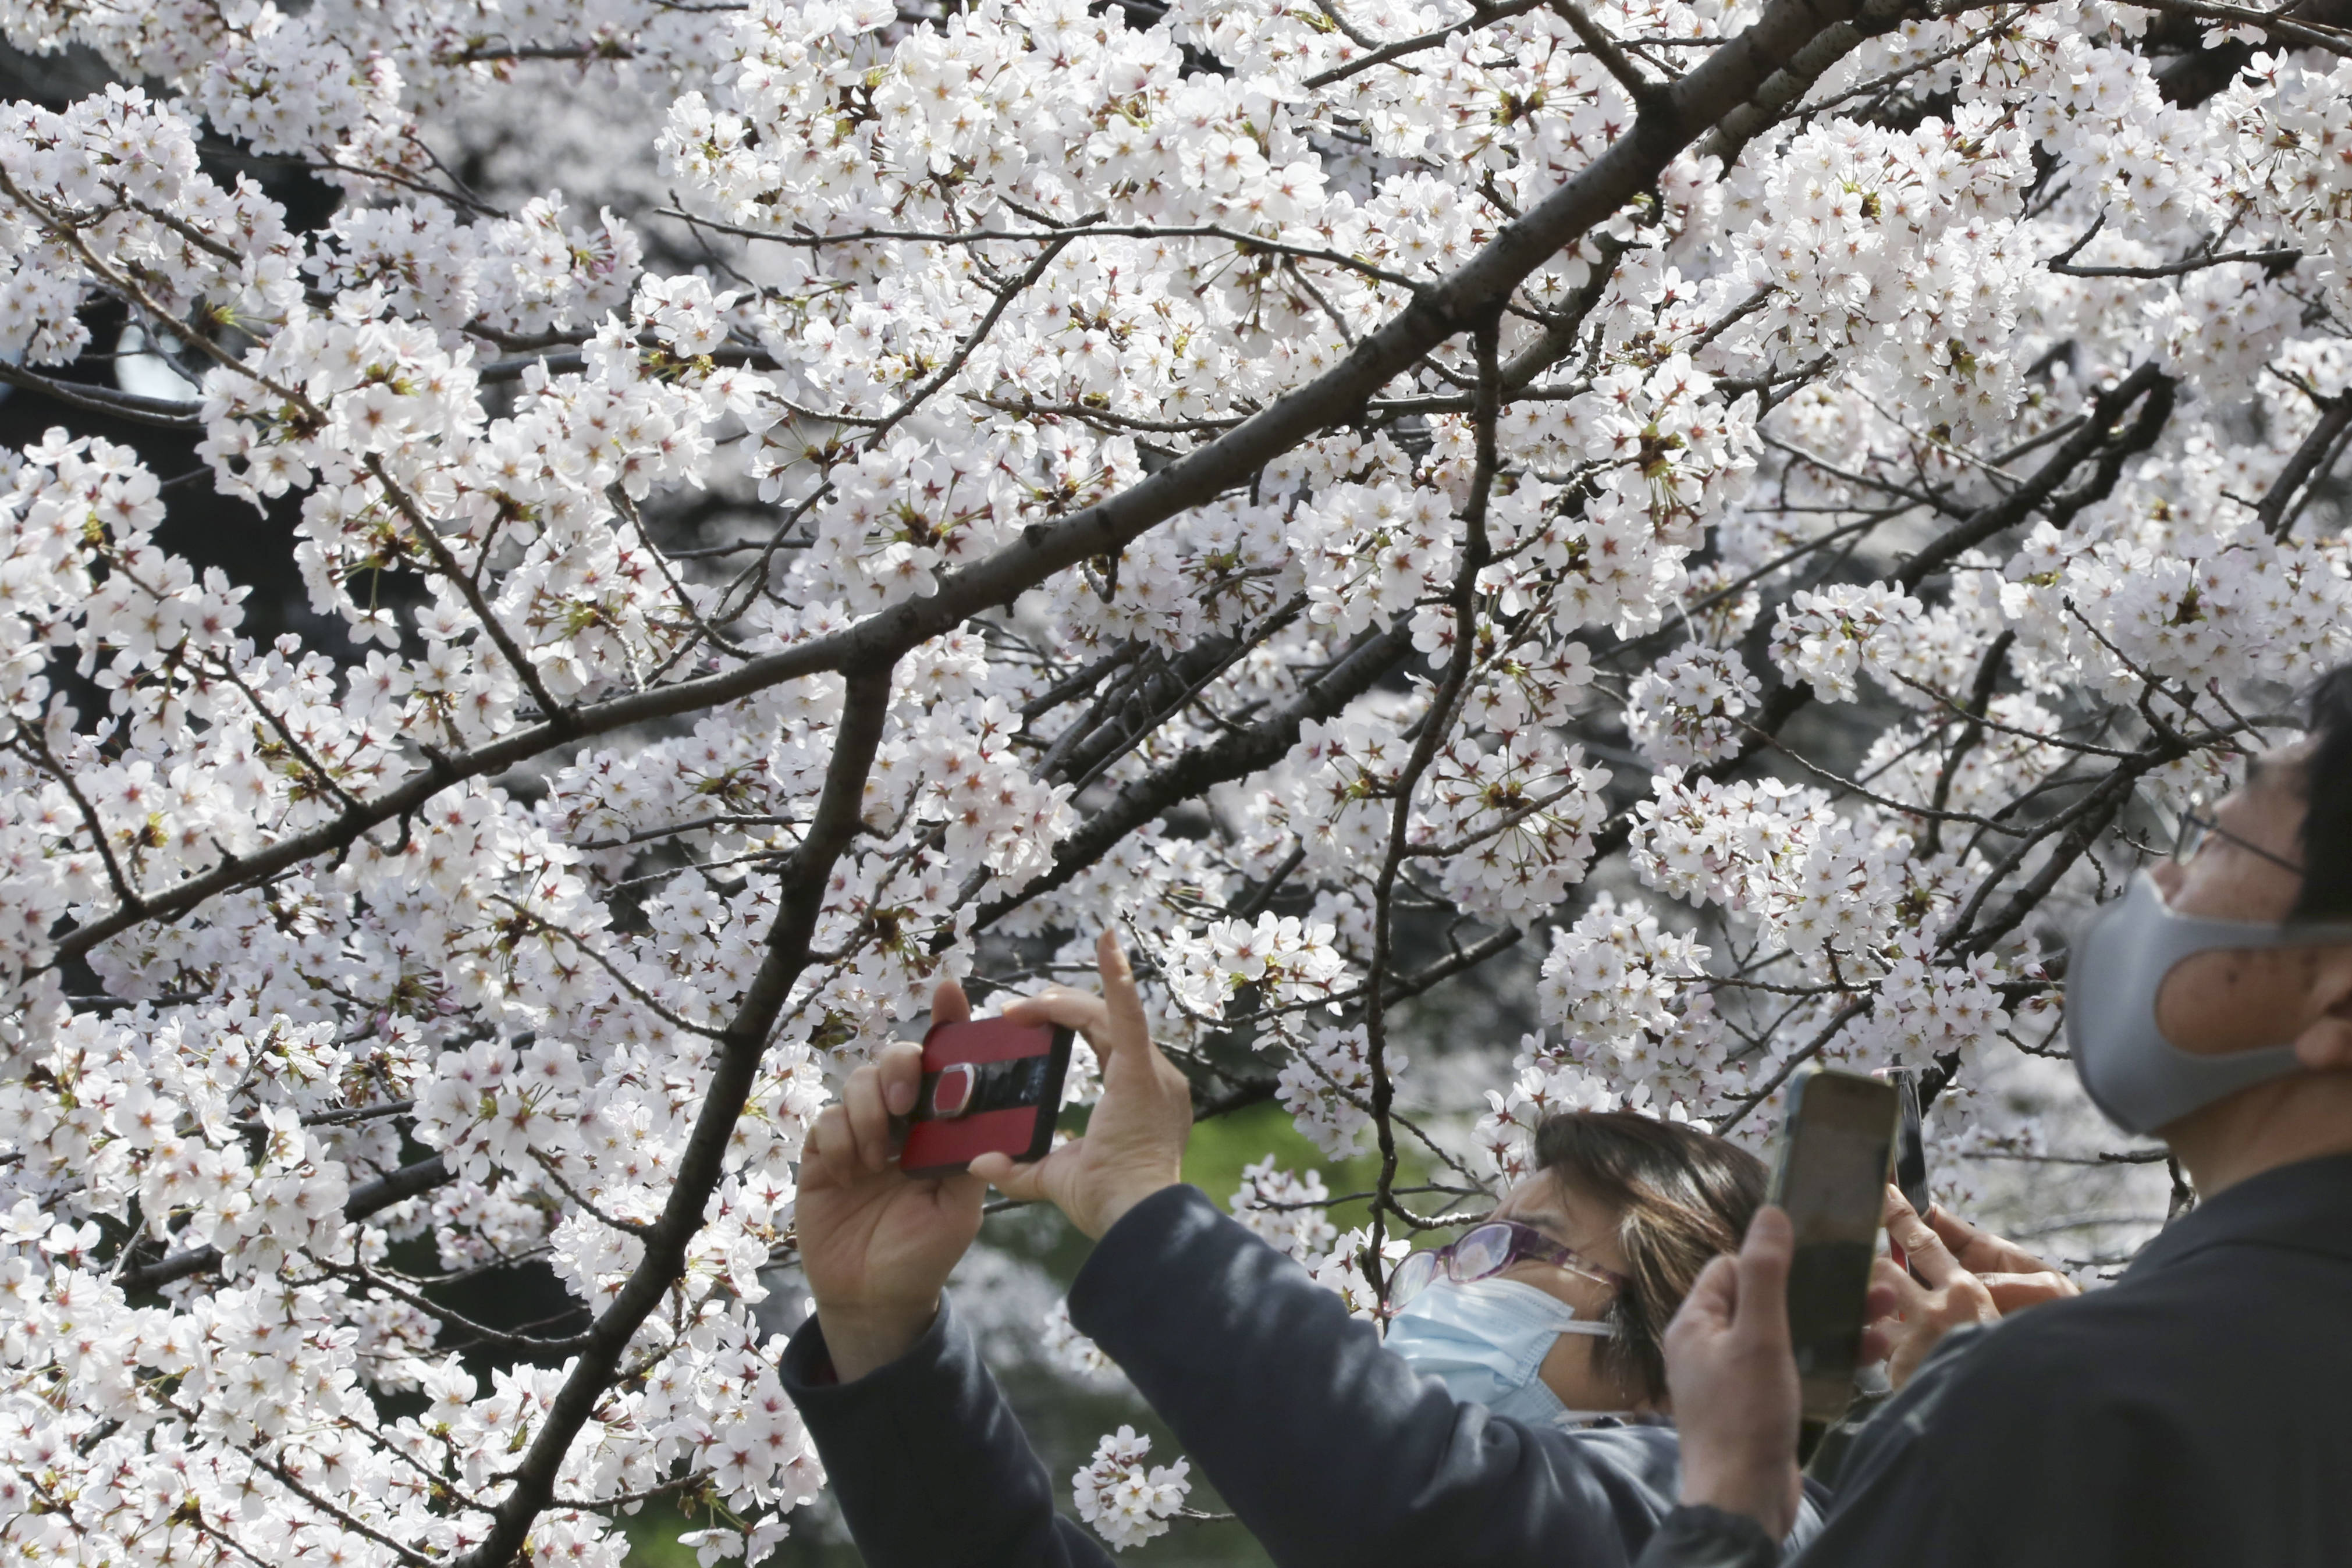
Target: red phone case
948,1138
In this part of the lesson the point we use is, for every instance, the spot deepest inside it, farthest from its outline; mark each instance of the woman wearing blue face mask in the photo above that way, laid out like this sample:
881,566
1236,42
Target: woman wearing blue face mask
1549,1310
1510,1411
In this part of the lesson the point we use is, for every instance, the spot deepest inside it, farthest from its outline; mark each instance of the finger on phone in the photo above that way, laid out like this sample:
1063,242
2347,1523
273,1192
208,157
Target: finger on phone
1979,1249
2015,1292
1010,1177
1920,1244
1764,1260
1894,1282
949,1004
869,1122
901,1066
1122,1003
1080,1011
1877,1345
1895,1206
1974,1247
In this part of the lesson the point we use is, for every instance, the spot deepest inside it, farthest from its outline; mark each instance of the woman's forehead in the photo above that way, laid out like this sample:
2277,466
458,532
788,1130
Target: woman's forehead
1553,1206
2276,775
1567,1214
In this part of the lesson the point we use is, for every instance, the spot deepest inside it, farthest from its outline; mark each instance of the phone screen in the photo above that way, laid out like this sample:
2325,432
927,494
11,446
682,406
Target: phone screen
1835,1152
1910,1139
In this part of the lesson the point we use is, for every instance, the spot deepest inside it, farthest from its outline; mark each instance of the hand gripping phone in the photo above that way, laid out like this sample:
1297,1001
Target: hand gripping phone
1837,1148
990,1086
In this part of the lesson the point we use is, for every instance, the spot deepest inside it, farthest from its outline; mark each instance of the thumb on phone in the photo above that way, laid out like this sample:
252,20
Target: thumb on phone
1764,1260
1024,1180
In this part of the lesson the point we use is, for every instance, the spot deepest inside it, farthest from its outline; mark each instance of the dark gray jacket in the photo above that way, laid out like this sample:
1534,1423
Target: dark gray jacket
2197,1413
1324,1444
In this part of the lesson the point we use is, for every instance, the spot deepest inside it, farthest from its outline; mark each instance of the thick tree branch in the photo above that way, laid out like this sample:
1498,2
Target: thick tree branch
864,706
2019,504
2272,513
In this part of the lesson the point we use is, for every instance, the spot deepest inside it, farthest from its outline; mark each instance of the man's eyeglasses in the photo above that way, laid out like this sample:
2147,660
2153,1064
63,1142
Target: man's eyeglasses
2196,828
1487,1250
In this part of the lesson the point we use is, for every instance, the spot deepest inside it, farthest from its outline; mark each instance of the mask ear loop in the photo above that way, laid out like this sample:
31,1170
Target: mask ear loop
1600,1329
1617,1320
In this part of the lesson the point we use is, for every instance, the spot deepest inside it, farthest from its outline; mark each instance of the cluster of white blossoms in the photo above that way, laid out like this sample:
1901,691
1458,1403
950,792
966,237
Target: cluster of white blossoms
1126,1500
1282,1208
1827,638
922,485
1326,1087
1685,711
1544,1083
1341,1270
1285,959
1616,980
1069,1349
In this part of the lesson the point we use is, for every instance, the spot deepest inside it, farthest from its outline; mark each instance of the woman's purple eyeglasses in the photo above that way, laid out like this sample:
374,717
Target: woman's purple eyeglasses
1484,1251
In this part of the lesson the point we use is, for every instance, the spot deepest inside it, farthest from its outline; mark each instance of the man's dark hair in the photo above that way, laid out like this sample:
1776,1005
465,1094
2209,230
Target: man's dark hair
1681,1197
2328,801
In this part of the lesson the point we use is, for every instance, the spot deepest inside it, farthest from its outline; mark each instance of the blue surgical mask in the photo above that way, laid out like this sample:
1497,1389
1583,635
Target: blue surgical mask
1486,1340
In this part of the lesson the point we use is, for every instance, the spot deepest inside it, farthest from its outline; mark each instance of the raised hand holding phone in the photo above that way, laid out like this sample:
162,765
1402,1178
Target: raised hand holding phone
1958,1275
1766,1345
1134,1142
876,1244
1734,1382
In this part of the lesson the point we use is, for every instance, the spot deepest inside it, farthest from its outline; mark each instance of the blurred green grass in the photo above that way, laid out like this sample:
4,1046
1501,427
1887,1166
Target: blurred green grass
1224,1145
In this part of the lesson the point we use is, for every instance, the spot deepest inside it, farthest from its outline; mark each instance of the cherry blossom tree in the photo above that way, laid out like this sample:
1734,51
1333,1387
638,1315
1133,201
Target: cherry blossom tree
1772,505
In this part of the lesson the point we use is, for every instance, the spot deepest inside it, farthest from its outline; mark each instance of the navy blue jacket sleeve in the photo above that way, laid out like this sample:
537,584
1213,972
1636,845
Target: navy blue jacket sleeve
2014,1445
2023,1457
928,1464
1328,1447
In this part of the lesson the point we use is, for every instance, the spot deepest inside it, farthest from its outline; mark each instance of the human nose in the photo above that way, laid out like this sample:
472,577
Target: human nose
2168,875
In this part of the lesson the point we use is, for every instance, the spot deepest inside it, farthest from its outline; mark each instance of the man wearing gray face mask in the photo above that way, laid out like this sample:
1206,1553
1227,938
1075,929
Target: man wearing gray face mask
2192,1414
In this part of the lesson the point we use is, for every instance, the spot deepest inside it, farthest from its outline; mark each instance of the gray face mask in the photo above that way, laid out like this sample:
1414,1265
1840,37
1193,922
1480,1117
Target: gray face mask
2141,1079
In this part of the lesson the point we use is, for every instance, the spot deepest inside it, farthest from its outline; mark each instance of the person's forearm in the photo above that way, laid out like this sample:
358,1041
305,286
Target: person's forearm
1117,1200
862,1338
1331,1449
928,1464
1764,1488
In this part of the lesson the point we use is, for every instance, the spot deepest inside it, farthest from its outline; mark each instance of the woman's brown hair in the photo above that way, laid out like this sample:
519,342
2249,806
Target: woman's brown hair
1681,1197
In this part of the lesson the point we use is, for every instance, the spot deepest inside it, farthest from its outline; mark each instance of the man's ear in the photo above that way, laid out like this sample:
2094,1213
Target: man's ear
2326,1044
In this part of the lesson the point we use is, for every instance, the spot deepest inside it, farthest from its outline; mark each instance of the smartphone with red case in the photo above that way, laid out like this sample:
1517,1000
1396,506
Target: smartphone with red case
990,1086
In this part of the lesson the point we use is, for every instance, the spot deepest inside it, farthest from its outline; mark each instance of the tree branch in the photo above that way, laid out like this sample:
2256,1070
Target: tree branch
864,707
370,1197
2273,512
1728,76
163,413
1445,703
